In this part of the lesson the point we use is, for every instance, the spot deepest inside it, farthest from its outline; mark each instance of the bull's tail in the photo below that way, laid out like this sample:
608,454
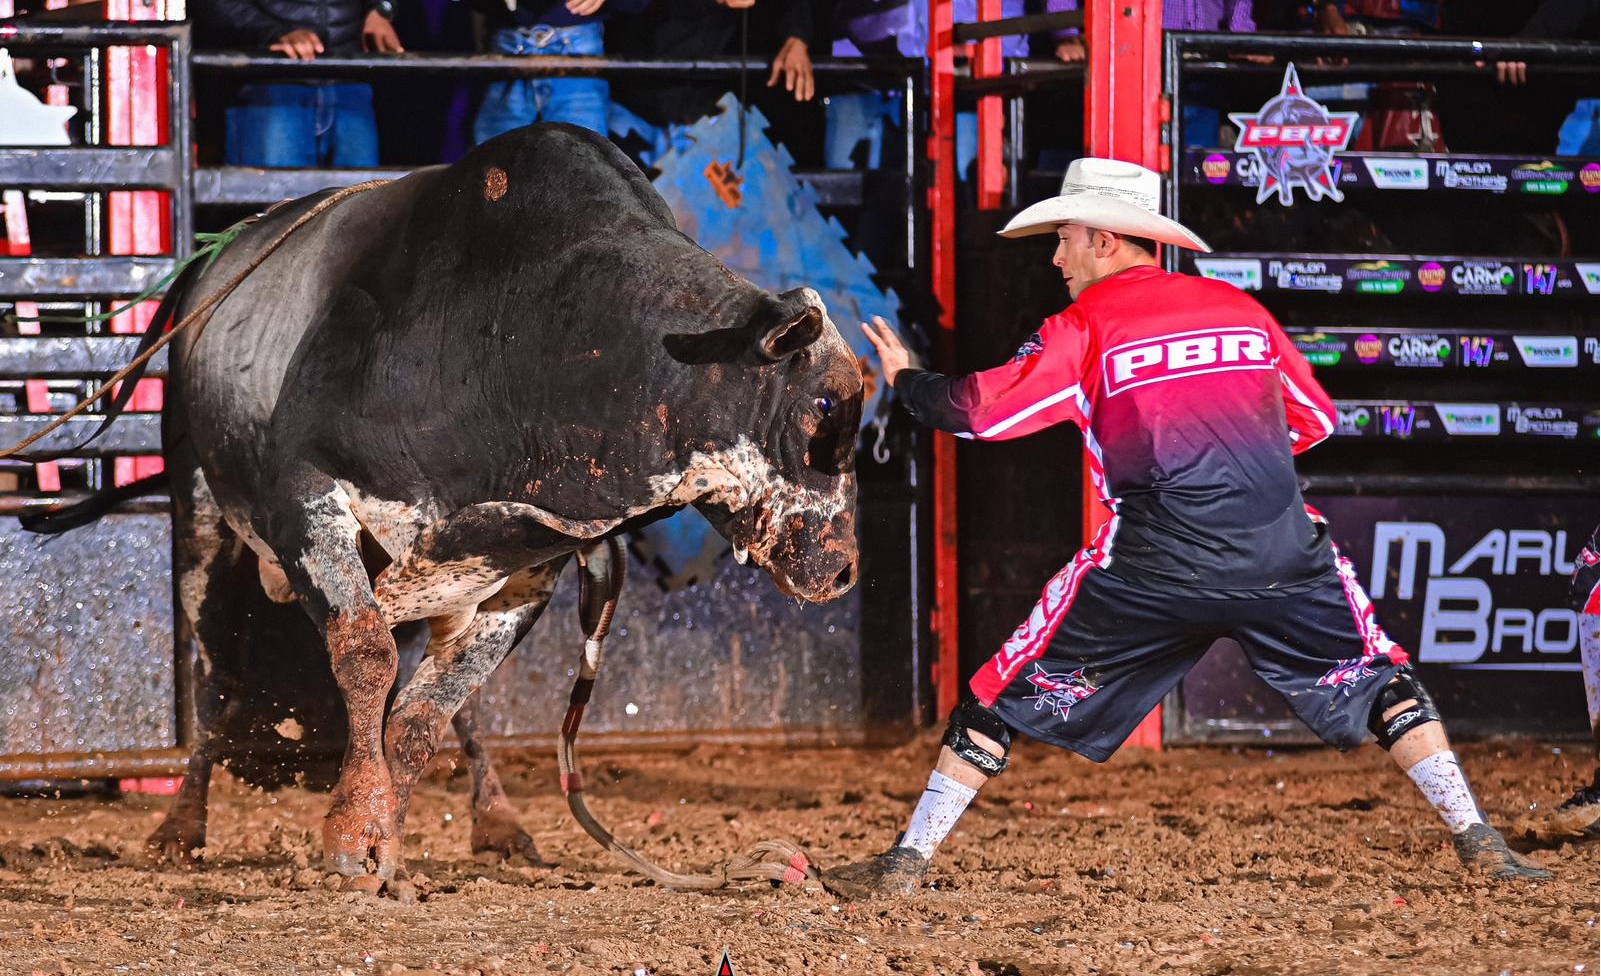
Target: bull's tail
121,390
63,517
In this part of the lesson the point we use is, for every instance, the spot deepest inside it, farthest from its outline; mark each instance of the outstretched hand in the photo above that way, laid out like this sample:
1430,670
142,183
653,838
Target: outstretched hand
892,353
794,65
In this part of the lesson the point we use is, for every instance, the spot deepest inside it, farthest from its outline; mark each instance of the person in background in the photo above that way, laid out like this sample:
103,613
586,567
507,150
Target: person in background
1580,134
543,28
301,124
1378,17
899,28
1202,120
688,29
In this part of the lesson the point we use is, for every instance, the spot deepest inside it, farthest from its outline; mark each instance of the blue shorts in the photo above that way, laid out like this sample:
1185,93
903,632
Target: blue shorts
1099,652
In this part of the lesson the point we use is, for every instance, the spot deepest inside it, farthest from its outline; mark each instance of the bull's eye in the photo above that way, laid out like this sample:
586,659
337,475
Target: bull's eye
825,405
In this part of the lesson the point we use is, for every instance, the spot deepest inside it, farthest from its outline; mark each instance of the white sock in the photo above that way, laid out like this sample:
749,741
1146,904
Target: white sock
942,805
1440,778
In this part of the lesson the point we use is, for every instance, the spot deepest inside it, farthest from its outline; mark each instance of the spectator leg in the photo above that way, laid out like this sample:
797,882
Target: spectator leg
276,126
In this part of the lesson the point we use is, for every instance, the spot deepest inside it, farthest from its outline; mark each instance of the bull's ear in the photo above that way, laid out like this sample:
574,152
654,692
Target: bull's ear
787,326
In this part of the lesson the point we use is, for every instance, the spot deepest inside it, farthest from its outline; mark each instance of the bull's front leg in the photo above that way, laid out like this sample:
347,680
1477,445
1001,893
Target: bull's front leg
465,649
317,538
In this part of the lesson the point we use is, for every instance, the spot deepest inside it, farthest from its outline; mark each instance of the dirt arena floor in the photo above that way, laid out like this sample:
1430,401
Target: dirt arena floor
1211,862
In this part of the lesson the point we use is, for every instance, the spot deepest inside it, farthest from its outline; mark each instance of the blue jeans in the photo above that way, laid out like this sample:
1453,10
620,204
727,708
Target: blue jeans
303,126
1579,133
856,121
508,105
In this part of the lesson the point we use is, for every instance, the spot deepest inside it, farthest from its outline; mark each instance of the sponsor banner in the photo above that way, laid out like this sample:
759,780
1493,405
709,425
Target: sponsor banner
1537,175
1379,276
1560,278
1483,278
1364,275
1243,273
1471,174
1304,276
1321,348
1469,419
1545,177
1421,349
1424,419
1549,420
1347,347
1475,587
1543,352
1590,274
1397,173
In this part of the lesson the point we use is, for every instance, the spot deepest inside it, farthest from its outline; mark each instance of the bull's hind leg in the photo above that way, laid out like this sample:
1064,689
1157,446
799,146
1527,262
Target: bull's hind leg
208,560
465,649
495,826
317,539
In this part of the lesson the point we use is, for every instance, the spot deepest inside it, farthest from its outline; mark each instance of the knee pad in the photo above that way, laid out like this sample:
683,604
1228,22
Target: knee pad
1405,687
975,716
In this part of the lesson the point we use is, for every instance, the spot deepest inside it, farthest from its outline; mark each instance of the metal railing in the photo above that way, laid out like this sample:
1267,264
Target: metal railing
95,278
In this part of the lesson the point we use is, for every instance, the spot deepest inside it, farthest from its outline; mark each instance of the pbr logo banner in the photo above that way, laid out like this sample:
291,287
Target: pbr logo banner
1476,589
1294,140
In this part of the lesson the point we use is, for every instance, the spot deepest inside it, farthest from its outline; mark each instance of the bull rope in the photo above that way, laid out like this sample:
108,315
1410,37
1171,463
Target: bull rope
769,860
211,301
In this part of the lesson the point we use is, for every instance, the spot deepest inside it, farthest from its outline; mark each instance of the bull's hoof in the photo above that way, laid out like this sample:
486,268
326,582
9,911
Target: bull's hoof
400,889
177,841
360,835
498,833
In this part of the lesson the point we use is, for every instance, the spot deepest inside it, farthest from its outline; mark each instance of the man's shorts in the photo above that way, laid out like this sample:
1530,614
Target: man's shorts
1098,653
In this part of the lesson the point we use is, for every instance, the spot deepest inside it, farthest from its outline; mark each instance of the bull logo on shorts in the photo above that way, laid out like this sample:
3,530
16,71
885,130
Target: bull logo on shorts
1060,691
1347,673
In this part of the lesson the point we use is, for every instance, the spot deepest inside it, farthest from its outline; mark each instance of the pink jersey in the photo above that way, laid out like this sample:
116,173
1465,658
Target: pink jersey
1192,401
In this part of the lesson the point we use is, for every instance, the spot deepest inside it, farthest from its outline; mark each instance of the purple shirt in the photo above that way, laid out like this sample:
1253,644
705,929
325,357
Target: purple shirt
869,24
1233,16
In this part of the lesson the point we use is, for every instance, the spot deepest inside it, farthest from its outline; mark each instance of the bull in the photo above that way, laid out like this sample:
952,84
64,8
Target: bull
436,393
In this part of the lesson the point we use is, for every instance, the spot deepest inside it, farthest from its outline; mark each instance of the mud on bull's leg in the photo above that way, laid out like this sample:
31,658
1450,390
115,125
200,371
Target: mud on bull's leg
317,539
460,658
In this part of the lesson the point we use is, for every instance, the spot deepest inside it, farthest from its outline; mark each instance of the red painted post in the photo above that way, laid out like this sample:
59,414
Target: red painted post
140,221
991,163
947,674
1123,107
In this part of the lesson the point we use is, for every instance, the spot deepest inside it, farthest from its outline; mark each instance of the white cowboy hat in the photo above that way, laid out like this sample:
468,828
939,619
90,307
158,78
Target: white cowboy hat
1108,194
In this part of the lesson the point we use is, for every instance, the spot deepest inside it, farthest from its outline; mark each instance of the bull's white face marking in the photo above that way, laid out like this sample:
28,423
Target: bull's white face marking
741,477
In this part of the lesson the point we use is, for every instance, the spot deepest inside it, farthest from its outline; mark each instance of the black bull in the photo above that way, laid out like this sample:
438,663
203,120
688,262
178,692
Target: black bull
437,392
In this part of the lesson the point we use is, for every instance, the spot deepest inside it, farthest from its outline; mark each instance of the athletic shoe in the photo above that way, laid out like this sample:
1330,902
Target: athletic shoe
1581,814
1482,848
897,871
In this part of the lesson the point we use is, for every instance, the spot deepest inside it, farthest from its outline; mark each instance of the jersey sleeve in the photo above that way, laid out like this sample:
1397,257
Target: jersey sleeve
1308,409
1038,387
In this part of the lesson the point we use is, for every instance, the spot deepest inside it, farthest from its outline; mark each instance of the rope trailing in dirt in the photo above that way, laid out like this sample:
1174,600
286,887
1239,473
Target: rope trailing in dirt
198,315
769,860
